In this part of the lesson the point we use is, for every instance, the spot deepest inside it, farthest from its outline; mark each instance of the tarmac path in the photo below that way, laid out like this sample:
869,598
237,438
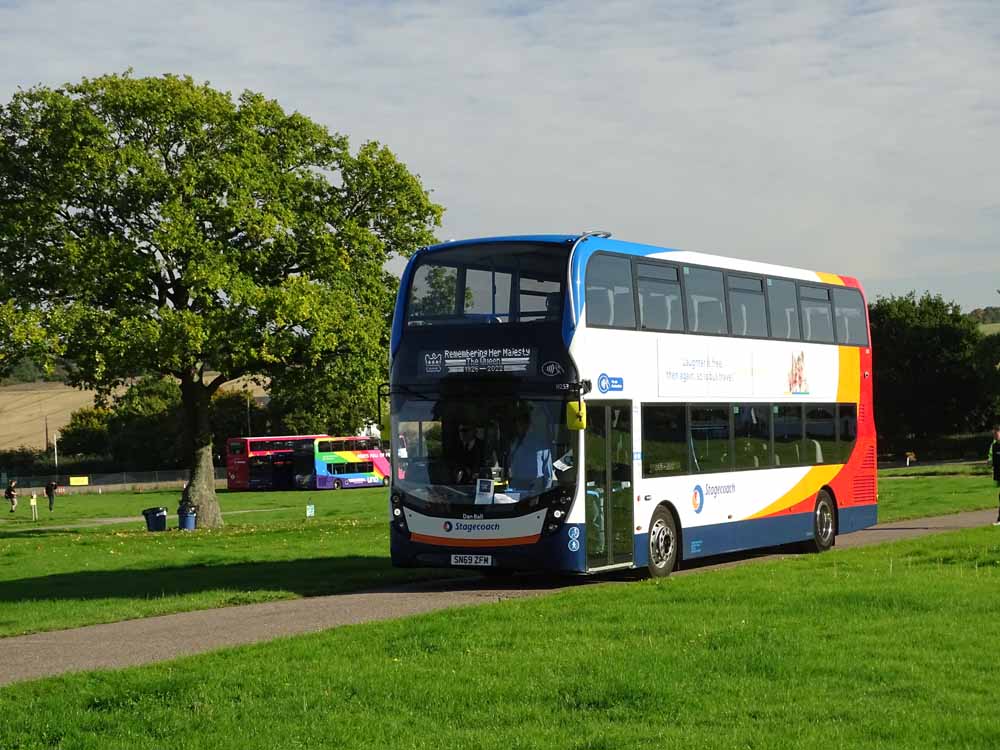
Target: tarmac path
154,639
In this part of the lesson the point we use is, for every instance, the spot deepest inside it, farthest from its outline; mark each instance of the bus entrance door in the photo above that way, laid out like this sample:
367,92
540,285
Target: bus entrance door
608,457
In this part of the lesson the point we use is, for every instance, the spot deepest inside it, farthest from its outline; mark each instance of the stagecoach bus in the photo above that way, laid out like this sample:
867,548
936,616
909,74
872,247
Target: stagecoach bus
333,463
579,403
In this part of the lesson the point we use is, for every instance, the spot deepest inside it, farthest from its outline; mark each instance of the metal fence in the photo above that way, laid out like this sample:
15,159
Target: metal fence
117,478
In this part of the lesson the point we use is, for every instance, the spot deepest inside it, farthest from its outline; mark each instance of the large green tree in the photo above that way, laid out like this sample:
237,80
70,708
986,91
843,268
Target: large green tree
165,228
22,337
929,376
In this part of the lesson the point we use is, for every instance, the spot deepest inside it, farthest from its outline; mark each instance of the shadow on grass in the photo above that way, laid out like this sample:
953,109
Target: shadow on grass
307,577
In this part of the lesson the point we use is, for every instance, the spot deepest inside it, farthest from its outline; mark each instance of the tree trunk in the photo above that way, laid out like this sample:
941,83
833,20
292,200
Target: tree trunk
196,397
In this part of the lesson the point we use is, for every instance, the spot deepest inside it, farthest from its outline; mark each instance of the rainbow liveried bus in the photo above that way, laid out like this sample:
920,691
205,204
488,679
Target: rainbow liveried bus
579,403
333,463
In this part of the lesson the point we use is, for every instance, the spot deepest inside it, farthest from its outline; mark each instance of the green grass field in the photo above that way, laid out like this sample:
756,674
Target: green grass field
989,328
891,646
74,509
58,579
53,579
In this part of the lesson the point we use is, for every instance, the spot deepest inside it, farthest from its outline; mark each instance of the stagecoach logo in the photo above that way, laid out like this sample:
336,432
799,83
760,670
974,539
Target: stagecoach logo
433,361
551,369
607,383
713,491
447,526
698,498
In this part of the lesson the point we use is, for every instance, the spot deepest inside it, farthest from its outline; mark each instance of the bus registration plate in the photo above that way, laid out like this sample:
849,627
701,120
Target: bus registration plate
475,560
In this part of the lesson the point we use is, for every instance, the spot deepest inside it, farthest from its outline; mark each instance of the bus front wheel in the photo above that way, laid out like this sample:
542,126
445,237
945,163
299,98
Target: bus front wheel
662,543
336,484
824,523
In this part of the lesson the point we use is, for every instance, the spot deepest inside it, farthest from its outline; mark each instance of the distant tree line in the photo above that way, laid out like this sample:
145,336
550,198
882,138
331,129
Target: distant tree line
936,374
986,315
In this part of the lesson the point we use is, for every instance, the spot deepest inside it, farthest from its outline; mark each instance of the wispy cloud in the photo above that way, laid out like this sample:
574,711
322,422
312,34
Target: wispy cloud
856,137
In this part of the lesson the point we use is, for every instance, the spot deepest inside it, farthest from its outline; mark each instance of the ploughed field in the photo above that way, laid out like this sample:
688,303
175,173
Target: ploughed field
891,646
52,579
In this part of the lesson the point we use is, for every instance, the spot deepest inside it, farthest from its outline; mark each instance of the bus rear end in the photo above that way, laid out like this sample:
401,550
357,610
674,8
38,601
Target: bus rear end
237,464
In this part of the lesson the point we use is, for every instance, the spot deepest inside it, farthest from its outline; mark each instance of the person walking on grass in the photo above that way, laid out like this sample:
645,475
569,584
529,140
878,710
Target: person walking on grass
50,492
10,494
993,458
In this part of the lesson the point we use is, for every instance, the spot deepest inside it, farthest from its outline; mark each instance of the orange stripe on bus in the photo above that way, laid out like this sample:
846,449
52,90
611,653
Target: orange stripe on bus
447,541
806,487
849,382
830,278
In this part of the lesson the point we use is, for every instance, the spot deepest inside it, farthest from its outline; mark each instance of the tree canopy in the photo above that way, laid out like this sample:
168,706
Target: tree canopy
163,227
931,369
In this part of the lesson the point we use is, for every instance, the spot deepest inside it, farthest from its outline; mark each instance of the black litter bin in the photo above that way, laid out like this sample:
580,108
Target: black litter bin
156,519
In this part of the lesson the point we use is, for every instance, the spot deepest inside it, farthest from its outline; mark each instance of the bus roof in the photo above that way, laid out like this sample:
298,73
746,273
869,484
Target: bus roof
595,243
279,437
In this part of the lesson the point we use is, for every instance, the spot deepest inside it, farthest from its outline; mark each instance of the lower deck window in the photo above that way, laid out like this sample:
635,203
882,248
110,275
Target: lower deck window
701,438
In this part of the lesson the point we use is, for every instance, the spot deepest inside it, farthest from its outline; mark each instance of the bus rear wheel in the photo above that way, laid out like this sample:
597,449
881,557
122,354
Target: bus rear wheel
336,484
824,523
662,543
385,481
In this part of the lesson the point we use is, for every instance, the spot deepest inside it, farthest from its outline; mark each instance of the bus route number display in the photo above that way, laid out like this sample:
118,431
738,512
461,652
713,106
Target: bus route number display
517,360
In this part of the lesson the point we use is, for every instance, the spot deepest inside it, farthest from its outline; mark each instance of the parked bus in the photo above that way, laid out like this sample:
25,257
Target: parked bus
333,463
263,463
580,403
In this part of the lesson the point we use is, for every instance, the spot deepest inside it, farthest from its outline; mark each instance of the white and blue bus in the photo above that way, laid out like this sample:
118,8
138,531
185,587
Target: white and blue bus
579,403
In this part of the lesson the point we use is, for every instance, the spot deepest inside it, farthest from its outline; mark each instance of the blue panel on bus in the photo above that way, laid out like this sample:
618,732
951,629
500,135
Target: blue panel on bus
852,519
720,538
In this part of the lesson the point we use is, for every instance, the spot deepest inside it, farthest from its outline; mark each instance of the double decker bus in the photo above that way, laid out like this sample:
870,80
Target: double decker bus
579,403
263,463
333,463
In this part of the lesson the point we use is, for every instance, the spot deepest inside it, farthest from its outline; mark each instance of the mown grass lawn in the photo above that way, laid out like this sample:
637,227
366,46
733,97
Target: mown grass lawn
883,647
916,496
59,579
73,509
53,579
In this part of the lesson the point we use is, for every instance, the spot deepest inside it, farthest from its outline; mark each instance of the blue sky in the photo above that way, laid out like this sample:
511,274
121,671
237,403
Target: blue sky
860,138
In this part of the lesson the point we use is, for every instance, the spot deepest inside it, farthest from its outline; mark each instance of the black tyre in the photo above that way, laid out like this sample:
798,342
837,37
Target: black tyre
824,523
385,481
336,484
663,543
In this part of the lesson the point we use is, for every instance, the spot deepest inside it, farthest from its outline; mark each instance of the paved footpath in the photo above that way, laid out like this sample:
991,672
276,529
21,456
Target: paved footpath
134,642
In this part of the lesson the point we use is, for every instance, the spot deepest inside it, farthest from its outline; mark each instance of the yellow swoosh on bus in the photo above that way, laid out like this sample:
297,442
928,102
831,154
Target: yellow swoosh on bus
810,484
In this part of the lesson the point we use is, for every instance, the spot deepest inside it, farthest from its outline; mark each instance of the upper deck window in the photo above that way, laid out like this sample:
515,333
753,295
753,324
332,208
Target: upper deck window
849,310
783,302
746,305
489,283
817,314
610,298
706,305
659,297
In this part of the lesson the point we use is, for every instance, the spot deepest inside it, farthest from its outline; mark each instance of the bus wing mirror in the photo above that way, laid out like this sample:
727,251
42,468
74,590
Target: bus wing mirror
576,415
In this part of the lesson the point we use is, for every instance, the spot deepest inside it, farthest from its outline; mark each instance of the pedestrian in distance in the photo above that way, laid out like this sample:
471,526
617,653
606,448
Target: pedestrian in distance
10,494
993,459
50,492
